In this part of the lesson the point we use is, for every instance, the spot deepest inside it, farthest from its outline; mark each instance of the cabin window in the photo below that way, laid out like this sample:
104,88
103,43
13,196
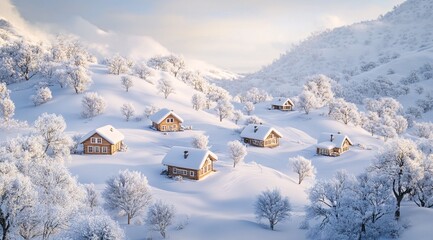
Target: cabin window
174,170
170,120
184,172
163,128
90,149
97,149
191,173
96,140
104,149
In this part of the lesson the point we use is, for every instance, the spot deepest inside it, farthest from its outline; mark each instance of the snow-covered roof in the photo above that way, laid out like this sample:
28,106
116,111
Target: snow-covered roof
258,131
194,160
337,140
159,116
280,101
107,132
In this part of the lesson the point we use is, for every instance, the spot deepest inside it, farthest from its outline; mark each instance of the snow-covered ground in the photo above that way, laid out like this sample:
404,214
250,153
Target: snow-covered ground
221,206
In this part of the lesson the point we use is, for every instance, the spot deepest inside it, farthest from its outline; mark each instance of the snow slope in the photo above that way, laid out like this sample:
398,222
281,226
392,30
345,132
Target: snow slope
221,205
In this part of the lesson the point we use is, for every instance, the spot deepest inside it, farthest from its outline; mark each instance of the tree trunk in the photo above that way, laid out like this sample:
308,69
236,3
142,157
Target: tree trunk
271,225
299,179
129,218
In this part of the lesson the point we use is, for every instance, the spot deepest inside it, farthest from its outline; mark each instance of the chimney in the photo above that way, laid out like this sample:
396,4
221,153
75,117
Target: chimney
111,129
256,128
339,132
332,137
185,154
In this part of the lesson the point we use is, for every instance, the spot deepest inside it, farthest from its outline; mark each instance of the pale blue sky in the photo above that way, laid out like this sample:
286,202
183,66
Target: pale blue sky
238,35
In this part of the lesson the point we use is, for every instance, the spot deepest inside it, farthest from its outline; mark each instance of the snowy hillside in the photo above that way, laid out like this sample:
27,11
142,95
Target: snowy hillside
392,46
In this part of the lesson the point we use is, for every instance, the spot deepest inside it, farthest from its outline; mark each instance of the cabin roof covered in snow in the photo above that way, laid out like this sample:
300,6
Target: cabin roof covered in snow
195,158
107,132
159,116
280,101
258,131
337,140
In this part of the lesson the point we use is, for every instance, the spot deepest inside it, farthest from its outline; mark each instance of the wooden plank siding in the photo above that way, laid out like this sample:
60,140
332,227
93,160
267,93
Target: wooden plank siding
98,146
271,141
191,173
334,151
283,108
168,125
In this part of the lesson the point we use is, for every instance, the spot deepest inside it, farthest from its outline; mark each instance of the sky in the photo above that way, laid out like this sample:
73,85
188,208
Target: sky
237,35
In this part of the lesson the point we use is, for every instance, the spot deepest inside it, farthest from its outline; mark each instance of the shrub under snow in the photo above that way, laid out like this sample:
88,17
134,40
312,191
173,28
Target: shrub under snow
42,96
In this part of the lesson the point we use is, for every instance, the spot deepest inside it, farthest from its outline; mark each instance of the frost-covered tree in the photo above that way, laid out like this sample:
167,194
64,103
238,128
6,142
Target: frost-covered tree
200,141
41,96
127,192
51,127
92,104
126,82
307,101
401,163
142,71
118,64
77,77
177,64
253,120
344,111
4,91
159,216
423,190
198,101
274,207
426,104
321,88
150,110
216,94
92,197
92,227
7,108
237,151
165,86
237,115
370,122
255,95
383,106
224,109
127,110
196,80
423,129
303,167
249,107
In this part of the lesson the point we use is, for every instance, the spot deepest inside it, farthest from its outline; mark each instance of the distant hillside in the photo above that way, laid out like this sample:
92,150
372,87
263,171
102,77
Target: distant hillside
395,44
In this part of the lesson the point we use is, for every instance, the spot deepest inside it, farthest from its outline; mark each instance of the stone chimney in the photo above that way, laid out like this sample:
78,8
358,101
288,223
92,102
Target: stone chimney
332,137
185,154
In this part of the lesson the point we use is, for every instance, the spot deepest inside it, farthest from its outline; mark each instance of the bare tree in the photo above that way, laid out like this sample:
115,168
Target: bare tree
127,110
128,192
249,107
224,109
303,167
165,86
237,151
272,206
160,216
126,82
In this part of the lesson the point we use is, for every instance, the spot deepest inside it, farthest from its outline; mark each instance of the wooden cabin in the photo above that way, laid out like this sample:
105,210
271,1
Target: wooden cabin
104,140
261,135
192,163
166,120
333,144
283,104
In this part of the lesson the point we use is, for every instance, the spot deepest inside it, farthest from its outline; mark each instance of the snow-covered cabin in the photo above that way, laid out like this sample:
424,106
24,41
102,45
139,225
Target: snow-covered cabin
166,120
192,163
333,144
261,135
283,104
103,140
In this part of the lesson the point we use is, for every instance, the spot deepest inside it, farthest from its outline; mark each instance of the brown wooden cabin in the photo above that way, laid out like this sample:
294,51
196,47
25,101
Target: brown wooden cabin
333,144
283,104
261,136
166,120
103,140
192,163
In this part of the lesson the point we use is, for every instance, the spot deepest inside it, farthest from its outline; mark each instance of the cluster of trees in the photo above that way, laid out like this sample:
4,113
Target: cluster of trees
317,93
7,106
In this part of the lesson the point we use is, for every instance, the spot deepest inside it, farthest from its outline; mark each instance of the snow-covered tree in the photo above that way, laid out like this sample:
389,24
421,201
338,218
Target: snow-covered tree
92,227
249,107
274,207
423,190
150,110
92,197
216,94
253,120
159,216
200,141
142,71
321,88
370,122
51,127
196,80
118,64
198,101
76,77
165,86
127,192
401,163
92,104
255,95
307,101
127,110
237,115
177,64
383,106
42,96
303,167
126,82
237,151
423,129
7,108
224,109
344,111
426,104
4,91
